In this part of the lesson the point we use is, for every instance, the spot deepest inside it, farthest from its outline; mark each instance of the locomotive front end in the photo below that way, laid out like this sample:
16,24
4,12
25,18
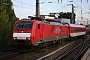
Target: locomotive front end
22,31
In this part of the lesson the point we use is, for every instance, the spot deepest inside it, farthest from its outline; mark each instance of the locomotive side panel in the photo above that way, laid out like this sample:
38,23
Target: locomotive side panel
54,32
49,33
65,31
38,34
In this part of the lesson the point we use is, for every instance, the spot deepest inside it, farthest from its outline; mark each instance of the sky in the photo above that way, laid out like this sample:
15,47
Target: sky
25,8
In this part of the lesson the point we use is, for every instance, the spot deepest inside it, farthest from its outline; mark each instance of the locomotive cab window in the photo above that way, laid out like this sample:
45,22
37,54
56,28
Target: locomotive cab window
38,26
23,26
27,26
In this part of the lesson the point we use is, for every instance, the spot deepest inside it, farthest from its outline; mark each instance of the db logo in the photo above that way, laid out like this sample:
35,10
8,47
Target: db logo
57,30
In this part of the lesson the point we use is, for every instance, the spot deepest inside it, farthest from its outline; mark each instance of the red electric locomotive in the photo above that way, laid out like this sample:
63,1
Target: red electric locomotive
37,31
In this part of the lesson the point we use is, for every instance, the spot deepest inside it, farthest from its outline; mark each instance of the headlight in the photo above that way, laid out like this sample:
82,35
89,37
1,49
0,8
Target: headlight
28,38
15,38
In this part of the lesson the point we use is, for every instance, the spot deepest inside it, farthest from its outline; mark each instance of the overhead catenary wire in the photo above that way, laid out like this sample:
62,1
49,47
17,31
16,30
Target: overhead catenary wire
47,2
43,9
82,10
23,3
33,5
78,5
22,7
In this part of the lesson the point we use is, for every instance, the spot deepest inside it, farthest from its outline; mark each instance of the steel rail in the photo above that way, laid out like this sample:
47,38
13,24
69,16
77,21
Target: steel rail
62,56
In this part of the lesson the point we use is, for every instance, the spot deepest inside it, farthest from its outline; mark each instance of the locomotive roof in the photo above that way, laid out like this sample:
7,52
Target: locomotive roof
18,21
38,19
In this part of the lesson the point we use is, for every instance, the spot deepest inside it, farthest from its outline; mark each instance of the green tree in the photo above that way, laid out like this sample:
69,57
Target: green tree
67,15
7,19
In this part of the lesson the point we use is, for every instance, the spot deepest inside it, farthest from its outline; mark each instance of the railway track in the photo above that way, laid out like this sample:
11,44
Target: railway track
12,52
80,44
59,52
33,52
76,52
4,55
15,54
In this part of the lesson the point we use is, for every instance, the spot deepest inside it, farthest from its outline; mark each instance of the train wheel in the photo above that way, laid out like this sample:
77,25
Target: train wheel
20,44
54,42
46,44
50,43
32,48
59,41
41,45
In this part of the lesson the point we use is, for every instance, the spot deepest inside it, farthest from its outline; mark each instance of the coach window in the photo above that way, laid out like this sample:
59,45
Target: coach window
38,26
76,29
72,29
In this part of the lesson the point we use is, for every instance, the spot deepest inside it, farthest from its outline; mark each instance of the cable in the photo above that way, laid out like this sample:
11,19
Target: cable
22,6
23,3
32,5
81,7
85,18
44,8
77,5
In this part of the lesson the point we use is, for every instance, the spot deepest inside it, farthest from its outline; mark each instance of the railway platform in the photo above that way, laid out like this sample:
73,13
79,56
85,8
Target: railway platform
86,55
